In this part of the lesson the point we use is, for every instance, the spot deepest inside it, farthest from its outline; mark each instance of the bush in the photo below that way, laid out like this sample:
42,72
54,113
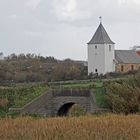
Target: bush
76,110
3,102
123,98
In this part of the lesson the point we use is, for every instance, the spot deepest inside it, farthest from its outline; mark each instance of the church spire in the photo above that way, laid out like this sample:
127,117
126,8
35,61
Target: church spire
101,36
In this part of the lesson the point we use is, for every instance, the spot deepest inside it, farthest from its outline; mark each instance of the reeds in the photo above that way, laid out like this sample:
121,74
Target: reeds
107,127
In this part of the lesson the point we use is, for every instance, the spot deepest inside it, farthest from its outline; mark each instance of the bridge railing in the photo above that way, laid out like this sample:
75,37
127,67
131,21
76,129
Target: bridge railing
71,92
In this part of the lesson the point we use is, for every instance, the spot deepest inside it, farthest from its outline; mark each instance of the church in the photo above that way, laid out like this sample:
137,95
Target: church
103,58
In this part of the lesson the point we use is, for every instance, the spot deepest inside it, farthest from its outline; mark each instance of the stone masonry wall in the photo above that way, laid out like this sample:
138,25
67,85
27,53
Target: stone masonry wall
127,67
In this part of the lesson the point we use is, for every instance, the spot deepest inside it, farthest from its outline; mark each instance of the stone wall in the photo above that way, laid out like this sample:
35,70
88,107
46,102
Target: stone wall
127,67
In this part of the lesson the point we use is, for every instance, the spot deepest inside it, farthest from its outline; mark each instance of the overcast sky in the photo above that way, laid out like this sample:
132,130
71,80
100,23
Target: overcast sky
61,28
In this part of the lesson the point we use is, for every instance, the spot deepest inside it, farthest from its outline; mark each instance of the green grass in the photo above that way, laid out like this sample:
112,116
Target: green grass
29,96
19,96
100,96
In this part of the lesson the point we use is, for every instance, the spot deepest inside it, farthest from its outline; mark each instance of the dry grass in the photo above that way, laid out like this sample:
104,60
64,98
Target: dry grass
109,127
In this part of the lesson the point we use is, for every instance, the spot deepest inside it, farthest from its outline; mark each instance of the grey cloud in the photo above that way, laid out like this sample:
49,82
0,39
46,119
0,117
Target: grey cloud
41,27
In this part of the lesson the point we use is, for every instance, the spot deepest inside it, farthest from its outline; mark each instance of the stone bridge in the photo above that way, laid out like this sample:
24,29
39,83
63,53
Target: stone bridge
58,102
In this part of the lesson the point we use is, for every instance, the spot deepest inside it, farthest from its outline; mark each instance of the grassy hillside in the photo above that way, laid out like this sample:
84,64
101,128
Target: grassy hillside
19,95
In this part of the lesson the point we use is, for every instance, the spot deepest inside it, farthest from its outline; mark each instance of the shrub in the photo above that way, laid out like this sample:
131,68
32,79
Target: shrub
76,110
137,79
123,98
3,102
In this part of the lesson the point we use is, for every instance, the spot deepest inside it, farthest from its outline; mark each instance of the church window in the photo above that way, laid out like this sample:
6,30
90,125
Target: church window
95,46
132,67
122,68
96,70
109,47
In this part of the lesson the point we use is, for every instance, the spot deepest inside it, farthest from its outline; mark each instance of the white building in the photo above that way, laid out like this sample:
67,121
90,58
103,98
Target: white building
101,53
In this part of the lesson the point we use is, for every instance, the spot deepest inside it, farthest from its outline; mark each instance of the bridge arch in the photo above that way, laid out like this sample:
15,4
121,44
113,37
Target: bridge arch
64,108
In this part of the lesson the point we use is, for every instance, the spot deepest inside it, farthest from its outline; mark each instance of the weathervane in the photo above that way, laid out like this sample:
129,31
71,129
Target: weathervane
100,19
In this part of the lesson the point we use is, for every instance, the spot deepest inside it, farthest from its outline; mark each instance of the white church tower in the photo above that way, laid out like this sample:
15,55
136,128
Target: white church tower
101,52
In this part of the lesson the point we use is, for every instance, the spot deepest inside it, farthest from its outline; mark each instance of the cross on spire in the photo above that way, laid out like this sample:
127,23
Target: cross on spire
100,19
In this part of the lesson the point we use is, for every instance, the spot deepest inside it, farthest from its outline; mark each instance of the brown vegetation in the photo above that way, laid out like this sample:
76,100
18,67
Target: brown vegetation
3,102
33,68
109,127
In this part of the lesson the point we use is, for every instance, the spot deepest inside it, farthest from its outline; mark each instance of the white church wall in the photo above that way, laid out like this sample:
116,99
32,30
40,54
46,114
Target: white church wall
109,57
96,58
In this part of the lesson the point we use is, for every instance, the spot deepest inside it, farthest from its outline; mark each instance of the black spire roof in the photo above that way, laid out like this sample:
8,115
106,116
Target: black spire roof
101,36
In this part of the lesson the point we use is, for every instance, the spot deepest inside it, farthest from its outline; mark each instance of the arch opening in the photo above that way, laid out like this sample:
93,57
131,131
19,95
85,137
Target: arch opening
63,111
71,109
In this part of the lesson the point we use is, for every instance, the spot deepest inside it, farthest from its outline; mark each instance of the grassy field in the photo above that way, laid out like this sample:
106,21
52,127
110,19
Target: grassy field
19,96
84,85
107,127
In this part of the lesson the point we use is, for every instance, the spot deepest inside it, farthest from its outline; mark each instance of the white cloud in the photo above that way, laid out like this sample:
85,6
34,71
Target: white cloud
14,16
137,1
71,10
33,3
71,6
122,1
65,9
